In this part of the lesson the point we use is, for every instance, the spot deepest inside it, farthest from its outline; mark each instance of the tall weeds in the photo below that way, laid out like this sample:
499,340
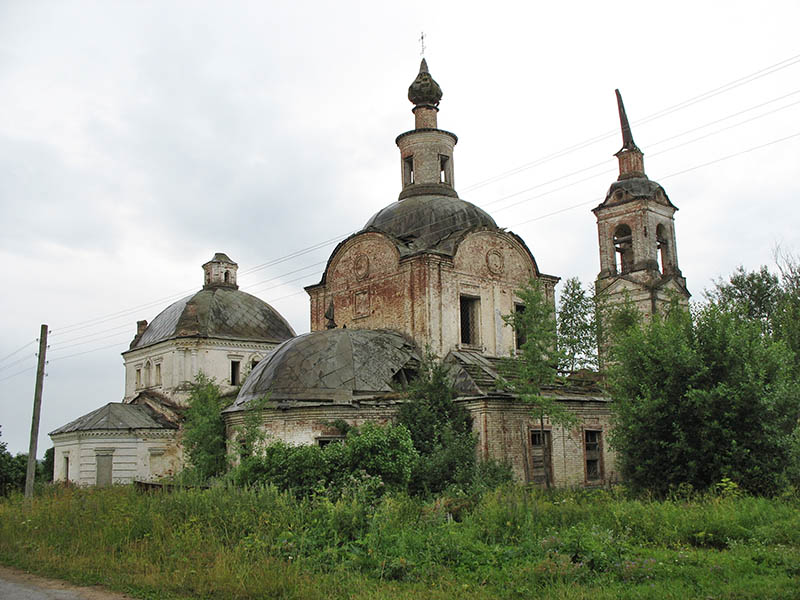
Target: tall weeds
511,542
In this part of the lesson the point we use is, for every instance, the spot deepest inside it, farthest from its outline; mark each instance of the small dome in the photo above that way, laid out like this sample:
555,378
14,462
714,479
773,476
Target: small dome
634,188
433,223
424,90
217,312
335,365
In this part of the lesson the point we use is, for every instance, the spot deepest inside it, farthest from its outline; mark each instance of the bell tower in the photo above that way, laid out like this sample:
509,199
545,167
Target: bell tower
426,152
636,232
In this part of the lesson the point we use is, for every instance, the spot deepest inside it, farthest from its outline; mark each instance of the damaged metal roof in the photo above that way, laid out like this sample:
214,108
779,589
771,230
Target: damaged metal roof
116,416
217,312
336,365
429,223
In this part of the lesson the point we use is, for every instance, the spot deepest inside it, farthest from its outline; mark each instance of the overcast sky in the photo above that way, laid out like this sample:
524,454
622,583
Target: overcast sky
138,138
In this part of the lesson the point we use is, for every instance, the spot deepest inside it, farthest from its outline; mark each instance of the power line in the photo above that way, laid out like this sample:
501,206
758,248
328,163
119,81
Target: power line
16,362
18,350
657,115
18,373
763,72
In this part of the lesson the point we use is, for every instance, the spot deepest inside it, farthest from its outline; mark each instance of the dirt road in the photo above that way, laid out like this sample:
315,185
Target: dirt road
19,585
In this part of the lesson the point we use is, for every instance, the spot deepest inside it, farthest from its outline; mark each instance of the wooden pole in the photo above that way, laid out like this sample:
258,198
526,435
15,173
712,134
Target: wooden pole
37,406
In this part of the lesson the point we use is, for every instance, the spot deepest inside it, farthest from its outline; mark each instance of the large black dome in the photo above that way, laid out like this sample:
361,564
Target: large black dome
335,365
217,312
429,223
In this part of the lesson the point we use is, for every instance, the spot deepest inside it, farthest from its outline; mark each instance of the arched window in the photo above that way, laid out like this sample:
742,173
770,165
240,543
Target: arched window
623,244
662,246
227,276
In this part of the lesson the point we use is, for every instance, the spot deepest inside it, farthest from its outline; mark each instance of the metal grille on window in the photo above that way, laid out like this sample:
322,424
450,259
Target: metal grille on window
470,315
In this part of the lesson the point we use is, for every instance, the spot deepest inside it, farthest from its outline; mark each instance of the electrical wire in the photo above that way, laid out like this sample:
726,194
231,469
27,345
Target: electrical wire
18,373
731,85
17,351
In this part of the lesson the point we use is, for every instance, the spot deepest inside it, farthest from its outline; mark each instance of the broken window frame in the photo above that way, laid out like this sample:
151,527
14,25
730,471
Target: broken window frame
593,456
539,459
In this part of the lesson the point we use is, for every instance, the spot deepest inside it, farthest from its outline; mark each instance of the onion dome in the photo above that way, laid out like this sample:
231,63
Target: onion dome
424,90
335,365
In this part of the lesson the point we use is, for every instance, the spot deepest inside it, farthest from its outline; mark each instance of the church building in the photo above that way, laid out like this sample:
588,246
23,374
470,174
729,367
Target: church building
219,331
428,272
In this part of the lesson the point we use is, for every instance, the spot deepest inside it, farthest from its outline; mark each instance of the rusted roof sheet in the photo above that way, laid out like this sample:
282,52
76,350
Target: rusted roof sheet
219,313
116,416
333,365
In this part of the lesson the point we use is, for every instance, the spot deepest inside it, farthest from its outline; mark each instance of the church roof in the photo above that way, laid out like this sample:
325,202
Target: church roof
116,416
335,365
217,312
635,188
429,223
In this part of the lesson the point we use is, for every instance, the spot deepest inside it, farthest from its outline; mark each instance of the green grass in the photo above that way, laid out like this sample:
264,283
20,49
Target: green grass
508,543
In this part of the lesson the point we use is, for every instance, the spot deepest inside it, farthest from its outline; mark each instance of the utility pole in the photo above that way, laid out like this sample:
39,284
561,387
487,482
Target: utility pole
37,409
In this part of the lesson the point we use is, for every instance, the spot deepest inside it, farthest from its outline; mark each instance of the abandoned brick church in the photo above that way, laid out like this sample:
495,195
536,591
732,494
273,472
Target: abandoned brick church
428,271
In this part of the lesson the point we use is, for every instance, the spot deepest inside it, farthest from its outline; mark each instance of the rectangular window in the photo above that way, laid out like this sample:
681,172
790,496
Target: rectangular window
444,171
66,467
593,452
470,320
235,372
408,170
541,455
138,378
324,440
158,374
518,335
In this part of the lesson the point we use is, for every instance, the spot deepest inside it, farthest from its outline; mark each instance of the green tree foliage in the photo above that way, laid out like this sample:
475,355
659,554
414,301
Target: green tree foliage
204,429
577,331
48,464
382,454
441,431
701,397
7,481
535,363
754,294
772,300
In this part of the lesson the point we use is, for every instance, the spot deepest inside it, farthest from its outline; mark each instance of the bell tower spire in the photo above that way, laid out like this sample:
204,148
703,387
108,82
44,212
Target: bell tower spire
636,231
426,152
631,159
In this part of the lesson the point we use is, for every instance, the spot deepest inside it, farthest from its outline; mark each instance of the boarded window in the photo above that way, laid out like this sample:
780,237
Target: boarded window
235,372
138,378
158,374
104,469
541,455
470,320
593,451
